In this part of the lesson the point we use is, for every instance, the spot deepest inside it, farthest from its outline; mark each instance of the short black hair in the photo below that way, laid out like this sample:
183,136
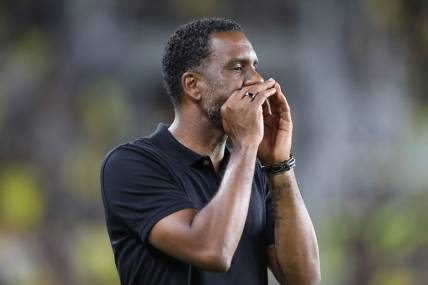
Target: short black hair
186,49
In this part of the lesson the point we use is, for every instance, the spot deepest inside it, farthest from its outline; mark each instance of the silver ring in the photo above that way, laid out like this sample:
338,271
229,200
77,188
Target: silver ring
249,94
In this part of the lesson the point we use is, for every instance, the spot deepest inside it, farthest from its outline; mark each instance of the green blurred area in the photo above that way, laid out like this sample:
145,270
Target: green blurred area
58,120
21,201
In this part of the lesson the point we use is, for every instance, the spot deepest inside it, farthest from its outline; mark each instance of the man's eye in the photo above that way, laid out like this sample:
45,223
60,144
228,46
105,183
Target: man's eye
237,68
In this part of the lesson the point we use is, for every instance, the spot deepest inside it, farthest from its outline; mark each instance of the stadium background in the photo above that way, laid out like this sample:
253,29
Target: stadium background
80,77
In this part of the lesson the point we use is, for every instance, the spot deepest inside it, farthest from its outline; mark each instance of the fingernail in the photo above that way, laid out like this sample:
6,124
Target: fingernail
271,79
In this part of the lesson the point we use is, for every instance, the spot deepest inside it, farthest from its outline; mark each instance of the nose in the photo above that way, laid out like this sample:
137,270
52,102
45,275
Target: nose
253,77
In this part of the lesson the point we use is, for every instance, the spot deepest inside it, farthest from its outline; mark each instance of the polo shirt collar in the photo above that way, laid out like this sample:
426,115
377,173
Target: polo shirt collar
163,139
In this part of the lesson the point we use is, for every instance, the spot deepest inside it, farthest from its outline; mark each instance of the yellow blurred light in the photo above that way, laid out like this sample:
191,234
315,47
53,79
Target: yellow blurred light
399,276
21,204
93,257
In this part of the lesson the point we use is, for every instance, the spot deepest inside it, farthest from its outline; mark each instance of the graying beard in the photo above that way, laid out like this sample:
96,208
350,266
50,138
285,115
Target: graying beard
213,112
214,115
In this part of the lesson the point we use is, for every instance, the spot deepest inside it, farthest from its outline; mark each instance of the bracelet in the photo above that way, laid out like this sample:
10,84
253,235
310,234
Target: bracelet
283,166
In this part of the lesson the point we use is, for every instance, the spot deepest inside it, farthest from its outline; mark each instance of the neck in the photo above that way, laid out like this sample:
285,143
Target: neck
199,135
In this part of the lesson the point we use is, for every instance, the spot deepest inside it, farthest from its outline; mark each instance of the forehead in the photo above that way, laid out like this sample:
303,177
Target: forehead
226,46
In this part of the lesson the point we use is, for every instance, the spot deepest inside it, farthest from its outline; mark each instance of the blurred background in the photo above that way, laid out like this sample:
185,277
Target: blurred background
80,77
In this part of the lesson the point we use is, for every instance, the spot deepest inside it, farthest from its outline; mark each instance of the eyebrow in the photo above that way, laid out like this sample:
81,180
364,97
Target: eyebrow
242,61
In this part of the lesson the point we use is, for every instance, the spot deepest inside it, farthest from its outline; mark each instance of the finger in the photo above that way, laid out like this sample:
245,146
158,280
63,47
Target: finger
282,108
261,97
236,95
266,108
250,95
279,104
257,88
287,107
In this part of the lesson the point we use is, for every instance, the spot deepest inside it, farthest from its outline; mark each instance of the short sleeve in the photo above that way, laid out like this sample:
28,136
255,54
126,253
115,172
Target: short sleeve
139,191
269,232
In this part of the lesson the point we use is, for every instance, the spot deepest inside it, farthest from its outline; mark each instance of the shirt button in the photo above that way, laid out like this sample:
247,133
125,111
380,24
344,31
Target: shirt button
206,162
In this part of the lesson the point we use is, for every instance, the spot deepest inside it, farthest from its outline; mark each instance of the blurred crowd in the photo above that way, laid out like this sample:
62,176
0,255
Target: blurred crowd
79,77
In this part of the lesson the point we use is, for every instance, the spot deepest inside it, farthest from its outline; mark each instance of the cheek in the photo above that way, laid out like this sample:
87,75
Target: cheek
221,87
231,85
231,81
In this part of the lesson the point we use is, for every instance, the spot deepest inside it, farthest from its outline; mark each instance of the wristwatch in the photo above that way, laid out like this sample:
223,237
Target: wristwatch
286,165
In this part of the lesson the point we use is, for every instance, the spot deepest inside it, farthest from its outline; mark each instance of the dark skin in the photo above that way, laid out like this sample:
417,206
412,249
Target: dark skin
213,108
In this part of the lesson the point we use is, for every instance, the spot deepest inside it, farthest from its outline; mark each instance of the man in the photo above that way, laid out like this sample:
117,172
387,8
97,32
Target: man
181,206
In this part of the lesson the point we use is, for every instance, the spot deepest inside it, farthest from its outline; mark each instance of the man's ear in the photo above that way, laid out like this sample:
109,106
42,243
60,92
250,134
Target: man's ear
191,84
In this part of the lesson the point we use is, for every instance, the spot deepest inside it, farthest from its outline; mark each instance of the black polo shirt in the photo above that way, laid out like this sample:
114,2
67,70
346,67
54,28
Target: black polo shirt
150,178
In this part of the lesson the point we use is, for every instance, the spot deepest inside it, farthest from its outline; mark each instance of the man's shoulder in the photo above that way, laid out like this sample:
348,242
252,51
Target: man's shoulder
141,150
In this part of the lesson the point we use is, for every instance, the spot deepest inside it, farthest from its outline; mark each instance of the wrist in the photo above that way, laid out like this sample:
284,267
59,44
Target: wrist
282,158
245,146
283,166
245,150
245,153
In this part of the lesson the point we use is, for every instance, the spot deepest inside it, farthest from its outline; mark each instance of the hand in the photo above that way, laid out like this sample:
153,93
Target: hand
243,115
275,146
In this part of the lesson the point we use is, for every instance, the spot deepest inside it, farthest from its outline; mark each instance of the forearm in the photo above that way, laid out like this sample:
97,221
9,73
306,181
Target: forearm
221,221
296,248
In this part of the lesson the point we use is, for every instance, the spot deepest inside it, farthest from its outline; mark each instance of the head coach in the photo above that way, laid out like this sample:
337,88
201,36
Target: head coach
181,206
